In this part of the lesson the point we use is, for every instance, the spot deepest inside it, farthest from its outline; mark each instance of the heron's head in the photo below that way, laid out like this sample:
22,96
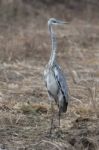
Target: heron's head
53,21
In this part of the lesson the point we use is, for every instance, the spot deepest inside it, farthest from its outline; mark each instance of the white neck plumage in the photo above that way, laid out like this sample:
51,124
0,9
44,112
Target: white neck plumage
54,46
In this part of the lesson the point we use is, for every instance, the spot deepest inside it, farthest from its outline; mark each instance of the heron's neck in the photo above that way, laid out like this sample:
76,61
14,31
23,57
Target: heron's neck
54,47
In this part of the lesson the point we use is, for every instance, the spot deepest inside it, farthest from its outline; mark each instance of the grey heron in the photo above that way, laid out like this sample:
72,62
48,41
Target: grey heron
53,76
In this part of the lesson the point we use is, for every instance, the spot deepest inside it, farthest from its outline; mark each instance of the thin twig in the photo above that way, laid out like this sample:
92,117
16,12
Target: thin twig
93,99
49,142
78,100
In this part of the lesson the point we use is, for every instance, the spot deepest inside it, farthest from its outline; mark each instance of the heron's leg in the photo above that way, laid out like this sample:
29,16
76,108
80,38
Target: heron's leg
52,110
59,117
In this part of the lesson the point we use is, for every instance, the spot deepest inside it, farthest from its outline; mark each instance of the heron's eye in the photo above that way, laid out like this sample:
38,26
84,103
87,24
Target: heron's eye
54,21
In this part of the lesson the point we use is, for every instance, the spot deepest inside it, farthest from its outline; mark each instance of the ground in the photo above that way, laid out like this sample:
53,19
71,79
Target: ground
25,111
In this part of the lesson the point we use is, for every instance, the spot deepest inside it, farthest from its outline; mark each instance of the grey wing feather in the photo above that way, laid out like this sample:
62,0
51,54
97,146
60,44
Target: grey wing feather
61,81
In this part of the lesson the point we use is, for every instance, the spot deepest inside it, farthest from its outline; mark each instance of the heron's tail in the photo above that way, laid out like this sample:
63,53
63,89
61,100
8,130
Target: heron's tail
63,105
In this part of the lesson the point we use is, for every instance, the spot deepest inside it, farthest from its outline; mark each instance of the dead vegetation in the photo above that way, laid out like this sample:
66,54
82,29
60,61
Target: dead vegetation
24,50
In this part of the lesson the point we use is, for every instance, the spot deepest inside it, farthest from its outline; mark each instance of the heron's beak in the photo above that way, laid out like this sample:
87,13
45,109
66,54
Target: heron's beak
61,22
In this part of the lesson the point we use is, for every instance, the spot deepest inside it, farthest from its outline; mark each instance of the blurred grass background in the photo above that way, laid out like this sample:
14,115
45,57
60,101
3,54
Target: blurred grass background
21,20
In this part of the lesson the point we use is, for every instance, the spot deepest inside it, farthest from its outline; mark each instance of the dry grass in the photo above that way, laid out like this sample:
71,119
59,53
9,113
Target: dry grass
24,107
25,112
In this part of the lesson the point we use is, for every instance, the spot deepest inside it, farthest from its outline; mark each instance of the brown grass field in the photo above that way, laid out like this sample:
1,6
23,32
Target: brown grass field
24,51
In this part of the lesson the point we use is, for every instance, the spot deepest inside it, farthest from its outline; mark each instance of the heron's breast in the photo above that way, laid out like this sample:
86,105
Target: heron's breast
52,84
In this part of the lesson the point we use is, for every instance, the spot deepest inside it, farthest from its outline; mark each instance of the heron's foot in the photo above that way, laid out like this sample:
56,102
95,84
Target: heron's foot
51,130
58,132
54,132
